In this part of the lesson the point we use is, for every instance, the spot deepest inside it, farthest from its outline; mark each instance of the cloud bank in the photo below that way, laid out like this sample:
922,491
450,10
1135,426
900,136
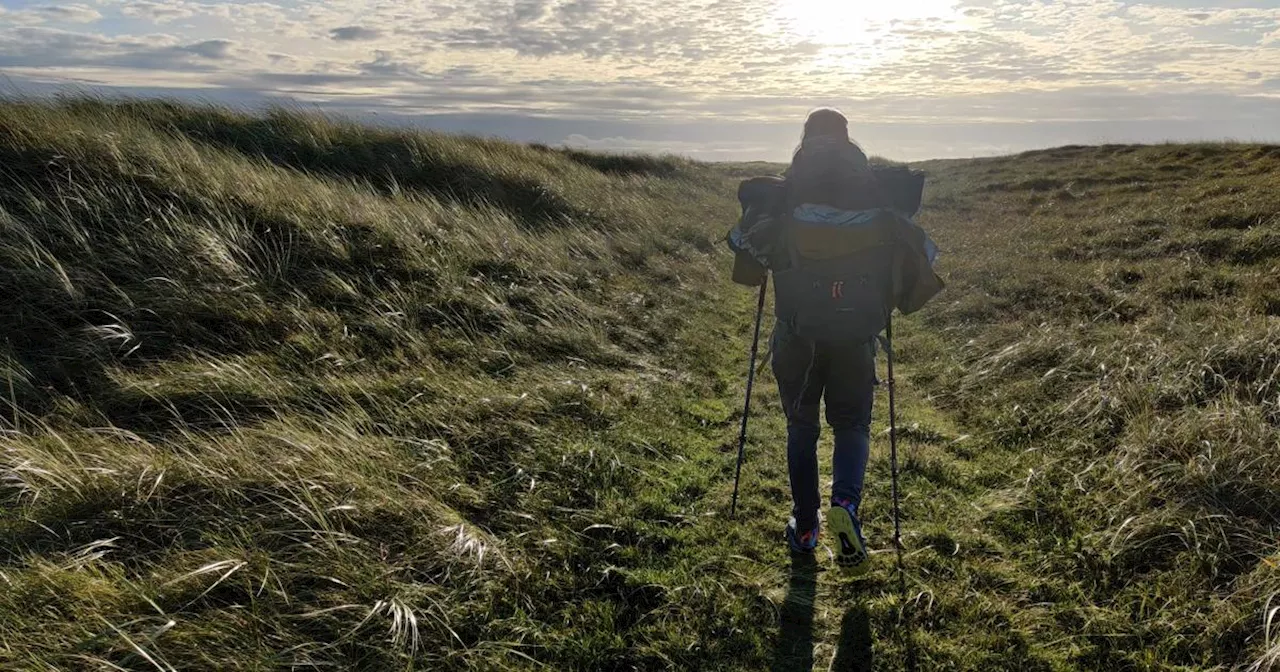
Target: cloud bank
640,72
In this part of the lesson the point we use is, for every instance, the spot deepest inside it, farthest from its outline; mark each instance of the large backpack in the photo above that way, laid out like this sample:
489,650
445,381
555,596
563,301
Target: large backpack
841,238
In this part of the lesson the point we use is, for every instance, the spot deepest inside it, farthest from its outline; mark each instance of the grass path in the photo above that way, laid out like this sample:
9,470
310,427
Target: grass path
975,604
824,619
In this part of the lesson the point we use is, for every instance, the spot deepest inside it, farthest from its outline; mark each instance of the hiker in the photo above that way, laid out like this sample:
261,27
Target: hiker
837,235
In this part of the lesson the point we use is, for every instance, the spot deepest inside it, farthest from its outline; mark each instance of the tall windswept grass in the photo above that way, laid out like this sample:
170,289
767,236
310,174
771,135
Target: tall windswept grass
1117,321
284,390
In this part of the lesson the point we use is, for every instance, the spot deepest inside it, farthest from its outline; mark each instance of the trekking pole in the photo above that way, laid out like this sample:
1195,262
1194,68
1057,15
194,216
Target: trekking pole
897,510
746,405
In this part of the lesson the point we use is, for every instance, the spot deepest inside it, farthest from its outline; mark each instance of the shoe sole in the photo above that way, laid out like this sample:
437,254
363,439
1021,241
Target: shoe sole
851,554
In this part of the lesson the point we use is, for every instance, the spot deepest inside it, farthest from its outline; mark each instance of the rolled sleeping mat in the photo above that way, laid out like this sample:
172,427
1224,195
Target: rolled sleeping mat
902,186
765,192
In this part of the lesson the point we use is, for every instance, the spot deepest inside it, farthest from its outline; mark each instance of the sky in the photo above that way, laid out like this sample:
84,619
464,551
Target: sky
712,79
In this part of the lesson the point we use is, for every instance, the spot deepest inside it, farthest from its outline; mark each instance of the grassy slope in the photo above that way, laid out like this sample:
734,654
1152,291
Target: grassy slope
290,392
1114,335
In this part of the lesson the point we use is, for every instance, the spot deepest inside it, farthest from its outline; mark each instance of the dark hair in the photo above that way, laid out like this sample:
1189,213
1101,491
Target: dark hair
826,121
830,168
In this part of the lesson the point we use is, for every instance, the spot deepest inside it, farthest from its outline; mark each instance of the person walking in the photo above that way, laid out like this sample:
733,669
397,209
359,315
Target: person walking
843,250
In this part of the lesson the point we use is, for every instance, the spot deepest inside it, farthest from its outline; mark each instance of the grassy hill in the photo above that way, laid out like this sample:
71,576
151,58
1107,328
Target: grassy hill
290,392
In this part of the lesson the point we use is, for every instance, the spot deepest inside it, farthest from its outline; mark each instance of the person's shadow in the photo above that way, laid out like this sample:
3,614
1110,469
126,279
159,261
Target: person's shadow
795,639
794,650
854,650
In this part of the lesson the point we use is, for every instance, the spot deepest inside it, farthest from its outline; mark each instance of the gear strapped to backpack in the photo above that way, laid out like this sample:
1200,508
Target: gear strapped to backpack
840,237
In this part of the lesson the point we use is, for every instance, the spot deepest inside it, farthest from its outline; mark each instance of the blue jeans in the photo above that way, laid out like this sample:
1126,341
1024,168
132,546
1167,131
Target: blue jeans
844,375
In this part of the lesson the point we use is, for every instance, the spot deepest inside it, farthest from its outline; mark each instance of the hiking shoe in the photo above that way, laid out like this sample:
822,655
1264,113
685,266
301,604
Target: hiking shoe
846,531
802,543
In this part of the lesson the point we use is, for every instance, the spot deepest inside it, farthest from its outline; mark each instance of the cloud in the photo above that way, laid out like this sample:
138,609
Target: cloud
596,29
211,49
157,12
68,13
354,33
38,15
384,64
33,47
635,62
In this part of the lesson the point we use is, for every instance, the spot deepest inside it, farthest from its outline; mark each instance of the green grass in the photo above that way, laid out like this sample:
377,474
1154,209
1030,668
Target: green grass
284,391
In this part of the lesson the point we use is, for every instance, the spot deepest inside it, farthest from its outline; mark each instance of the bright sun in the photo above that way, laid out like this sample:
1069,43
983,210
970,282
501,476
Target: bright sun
847,23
